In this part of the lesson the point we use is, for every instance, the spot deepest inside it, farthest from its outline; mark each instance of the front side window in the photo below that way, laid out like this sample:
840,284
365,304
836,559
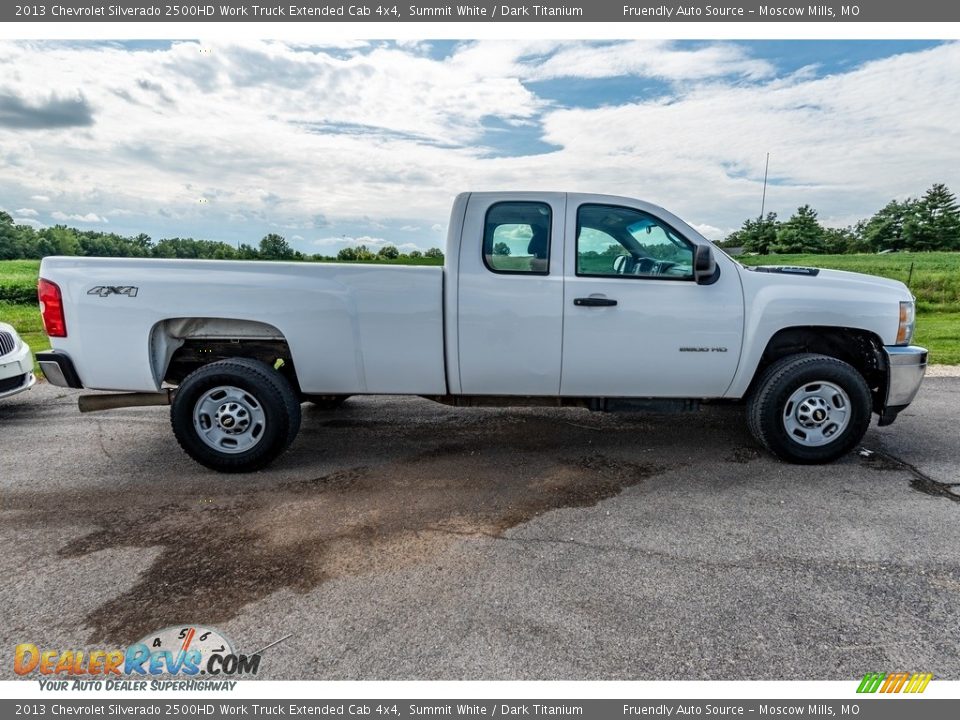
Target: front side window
516,238
617,241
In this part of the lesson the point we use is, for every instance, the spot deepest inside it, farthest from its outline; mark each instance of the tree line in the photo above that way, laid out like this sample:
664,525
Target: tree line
23,242
931,222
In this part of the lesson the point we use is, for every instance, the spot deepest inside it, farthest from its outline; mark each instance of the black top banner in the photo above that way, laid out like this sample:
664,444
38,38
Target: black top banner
628,11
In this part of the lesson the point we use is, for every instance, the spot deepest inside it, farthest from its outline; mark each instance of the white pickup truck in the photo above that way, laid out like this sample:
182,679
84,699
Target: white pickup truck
546,298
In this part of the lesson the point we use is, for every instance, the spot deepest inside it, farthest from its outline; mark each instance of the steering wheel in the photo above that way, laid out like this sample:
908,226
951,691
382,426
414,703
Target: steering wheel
644,265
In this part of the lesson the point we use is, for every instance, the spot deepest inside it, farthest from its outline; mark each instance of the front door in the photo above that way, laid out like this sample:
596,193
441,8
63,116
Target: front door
636,324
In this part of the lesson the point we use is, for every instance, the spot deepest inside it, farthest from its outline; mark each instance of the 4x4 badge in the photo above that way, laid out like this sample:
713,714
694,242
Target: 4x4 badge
105,290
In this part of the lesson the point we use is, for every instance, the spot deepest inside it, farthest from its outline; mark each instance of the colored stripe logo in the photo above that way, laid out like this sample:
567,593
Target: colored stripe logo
899,682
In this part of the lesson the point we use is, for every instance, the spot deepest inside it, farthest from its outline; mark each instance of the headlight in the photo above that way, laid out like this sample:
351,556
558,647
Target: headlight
908,317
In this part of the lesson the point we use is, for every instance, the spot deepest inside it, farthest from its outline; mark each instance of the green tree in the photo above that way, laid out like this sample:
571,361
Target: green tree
58,240
190,248
275,247
802,233
885,230
501,248
837,241
755,235
434,253
613,250
389,252
364,253
935,224
347,254
99,244
143,242
13,244
416,254
247,252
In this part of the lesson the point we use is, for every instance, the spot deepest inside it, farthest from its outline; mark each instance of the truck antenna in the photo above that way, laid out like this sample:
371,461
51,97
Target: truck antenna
763,200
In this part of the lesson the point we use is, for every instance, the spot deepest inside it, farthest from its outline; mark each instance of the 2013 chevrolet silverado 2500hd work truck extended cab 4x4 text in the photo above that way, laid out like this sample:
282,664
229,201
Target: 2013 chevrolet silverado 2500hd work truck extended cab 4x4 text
554,298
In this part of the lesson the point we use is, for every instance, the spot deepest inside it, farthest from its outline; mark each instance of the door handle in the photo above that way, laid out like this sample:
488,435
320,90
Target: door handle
594,302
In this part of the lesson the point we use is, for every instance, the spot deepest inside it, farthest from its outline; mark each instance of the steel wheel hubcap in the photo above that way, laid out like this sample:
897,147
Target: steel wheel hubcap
816,413
229,419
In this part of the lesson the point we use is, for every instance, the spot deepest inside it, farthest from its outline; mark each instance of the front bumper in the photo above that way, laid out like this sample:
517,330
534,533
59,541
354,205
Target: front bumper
16,371
906,366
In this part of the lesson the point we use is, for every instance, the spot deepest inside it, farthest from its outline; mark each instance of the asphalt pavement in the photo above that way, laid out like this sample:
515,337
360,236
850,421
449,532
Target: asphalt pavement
400,539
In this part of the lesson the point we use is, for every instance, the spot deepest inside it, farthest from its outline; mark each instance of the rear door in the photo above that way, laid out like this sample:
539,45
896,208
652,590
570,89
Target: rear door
510,294
636,324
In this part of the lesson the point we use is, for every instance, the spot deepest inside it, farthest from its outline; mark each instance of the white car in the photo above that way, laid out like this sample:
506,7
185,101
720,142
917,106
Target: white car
16,363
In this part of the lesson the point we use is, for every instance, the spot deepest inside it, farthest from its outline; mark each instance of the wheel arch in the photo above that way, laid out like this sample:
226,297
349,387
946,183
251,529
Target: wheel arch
862,349
178,346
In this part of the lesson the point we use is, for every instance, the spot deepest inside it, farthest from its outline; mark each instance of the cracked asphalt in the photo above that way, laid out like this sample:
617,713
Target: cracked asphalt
399,539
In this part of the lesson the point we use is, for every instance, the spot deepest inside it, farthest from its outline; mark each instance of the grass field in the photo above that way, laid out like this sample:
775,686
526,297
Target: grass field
935,281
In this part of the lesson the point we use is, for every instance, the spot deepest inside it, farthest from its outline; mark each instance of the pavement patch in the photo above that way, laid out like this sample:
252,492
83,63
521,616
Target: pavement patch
222,550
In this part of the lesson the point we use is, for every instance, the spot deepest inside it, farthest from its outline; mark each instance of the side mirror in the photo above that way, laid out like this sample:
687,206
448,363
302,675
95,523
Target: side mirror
704,265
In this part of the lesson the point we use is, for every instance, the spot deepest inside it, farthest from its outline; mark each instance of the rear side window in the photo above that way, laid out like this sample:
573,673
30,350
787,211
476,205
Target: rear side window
516,238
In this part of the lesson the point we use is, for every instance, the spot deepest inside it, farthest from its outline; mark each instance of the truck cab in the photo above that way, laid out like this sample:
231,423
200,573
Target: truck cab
587,295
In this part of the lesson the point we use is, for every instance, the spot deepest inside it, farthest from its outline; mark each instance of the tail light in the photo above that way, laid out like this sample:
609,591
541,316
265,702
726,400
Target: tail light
51,308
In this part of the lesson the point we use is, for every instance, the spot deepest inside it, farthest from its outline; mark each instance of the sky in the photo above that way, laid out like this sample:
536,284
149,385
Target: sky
362,142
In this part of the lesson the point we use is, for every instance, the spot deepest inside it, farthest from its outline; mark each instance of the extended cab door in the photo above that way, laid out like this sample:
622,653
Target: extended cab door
636,324
510,294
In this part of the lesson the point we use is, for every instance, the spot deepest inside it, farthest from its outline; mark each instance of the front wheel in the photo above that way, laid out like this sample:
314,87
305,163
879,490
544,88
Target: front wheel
235,415
809,409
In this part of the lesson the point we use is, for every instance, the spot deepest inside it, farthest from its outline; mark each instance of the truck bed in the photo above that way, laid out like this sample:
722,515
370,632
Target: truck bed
350,328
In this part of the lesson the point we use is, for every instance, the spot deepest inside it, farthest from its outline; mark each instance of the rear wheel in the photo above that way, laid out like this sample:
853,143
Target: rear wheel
810,408
235,415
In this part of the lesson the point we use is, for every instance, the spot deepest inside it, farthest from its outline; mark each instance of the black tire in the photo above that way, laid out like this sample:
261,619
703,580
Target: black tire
326,402
774,394
267,393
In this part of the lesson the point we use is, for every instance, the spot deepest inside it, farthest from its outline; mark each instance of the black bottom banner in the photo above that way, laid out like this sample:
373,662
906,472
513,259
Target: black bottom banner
893,708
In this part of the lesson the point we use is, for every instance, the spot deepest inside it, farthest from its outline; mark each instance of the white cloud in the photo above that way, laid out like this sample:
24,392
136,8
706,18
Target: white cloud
710,232
27,212
346,241
32,222
655,59
77,217
298,137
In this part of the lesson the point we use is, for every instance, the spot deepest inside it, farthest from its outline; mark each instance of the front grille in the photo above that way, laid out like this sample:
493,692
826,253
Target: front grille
7,343
12,383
